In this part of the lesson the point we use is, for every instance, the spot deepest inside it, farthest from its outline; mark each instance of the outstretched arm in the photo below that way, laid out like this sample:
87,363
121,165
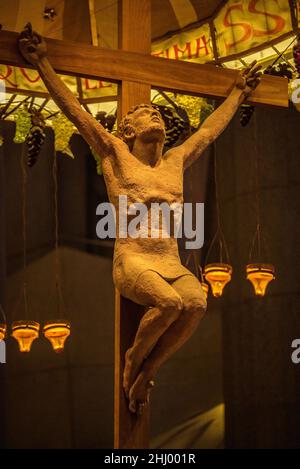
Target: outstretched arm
34,50
214,125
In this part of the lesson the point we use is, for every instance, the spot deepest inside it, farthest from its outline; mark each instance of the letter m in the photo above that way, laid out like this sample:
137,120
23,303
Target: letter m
185,53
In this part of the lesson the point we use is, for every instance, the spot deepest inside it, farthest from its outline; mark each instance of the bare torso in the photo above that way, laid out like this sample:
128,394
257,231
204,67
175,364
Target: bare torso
124,174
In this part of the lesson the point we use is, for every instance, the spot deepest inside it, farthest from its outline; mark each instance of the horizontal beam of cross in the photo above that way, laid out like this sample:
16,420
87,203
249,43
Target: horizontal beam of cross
117,65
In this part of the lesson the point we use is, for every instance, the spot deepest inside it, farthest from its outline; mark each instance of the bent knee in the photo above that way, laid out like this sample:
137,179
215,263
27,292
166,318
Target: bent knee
195,307
171,307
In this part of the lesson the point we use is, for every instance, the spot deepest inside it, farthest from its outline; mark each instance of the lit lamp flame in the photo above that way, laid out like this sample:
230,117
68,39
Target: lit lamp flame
260,275
217,275
57,332
205,289
2,331
25,332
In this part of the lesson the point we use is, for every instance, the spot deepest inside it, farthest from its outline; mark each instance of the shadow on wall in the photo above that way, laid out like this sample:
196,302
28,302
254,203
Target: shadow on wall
204,431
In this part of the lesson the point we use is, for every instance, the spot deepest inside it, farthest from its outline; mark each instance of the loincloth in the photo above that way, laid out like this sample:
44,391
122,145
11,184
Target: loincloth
128,267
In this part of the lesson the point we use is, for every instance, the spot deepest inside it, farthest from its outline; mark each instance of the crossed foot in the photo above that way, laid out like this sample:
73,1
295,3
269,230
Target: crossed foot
137,386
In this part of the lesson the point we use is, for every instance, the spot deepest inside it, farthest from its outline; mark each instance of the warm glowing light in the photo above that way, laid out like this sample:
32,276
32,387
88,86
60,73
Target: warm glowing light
57,332
25,332
2,331
205,288
260,275
217,275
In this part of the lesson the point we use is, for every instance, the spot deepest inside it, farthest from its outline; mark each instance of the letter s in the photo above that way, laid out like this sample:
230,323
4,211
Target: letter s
296,353
280,22
246,26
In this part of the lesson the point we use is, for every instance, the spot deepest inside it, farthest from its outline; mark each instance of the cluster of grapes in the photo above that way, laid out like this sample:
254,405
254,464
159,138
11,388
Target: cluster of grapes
280,70
63,131
296,54
174,124
246,112
23,124
35,137
106,120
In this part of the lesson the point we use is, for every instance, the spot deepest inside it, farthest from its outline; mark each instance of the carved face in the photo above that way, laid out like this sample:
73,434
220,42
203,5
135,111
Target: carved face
147,123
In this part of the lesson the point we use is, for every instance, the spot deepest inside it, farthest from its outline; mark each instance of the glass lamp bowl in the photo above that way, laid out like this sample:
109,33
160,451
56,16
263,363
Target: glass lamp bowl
217,275
2,331
260,275
25,332
57,331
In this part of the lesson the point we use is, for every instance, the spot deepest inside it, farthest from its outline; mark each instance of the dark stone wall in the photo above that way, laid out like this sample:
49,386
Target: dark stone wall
261,384
66,401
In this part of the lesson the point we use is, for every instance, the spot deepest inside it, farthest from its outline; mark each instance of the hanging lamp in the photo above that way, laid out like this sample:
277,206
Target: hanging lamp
218,274
3,326
2,331
57,330
259,273
25,331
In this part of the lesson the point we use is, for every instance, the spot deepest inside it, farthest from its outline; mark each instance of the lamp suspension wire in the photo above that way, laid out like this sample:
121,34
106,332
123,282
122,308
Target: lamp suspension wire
219,235
59,295
257,182
24,228
55,200
198,268
257,234
3,313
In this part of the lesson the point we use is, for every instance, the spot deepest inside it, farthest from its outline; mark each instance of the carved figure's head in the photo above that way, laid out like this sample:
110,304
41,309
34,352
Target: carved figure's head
142,121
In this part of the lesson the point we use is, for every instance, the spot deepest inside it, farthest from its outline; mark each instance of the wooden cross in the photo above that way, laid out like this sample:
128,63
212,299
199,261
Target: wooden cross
135,70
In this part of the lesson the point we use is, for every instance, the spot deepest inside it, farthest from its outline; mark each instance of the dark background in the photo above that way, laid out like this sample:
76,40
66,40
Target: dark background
240,354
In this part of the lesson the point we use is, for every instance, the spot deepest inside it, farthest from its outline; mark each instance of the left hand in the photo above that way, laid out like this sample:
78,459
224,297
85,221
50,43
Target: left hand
31,45
249,78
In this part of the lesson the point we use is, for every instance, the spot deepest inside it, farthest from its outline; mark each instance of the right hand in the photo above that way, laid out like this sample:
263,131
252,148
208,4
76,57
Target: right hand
31,45
249,78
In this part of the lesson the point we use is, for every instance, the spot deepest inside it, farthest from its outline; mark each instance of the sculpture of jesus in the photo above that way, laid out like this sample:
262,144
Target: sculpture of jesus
146,270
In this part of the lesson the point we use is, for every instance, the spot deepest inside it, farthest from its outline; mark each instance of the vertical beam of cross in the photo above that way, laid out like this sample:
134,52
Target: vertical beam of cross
131,431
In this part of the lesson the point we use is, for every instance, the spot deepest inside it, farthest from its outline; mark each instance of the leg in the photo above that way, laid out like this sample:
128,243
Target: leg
152,290
194,306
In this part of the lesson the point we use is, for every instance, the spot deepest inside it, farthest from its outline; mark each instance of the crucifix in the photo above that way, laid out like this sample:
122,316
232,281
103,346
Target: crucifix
161,302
